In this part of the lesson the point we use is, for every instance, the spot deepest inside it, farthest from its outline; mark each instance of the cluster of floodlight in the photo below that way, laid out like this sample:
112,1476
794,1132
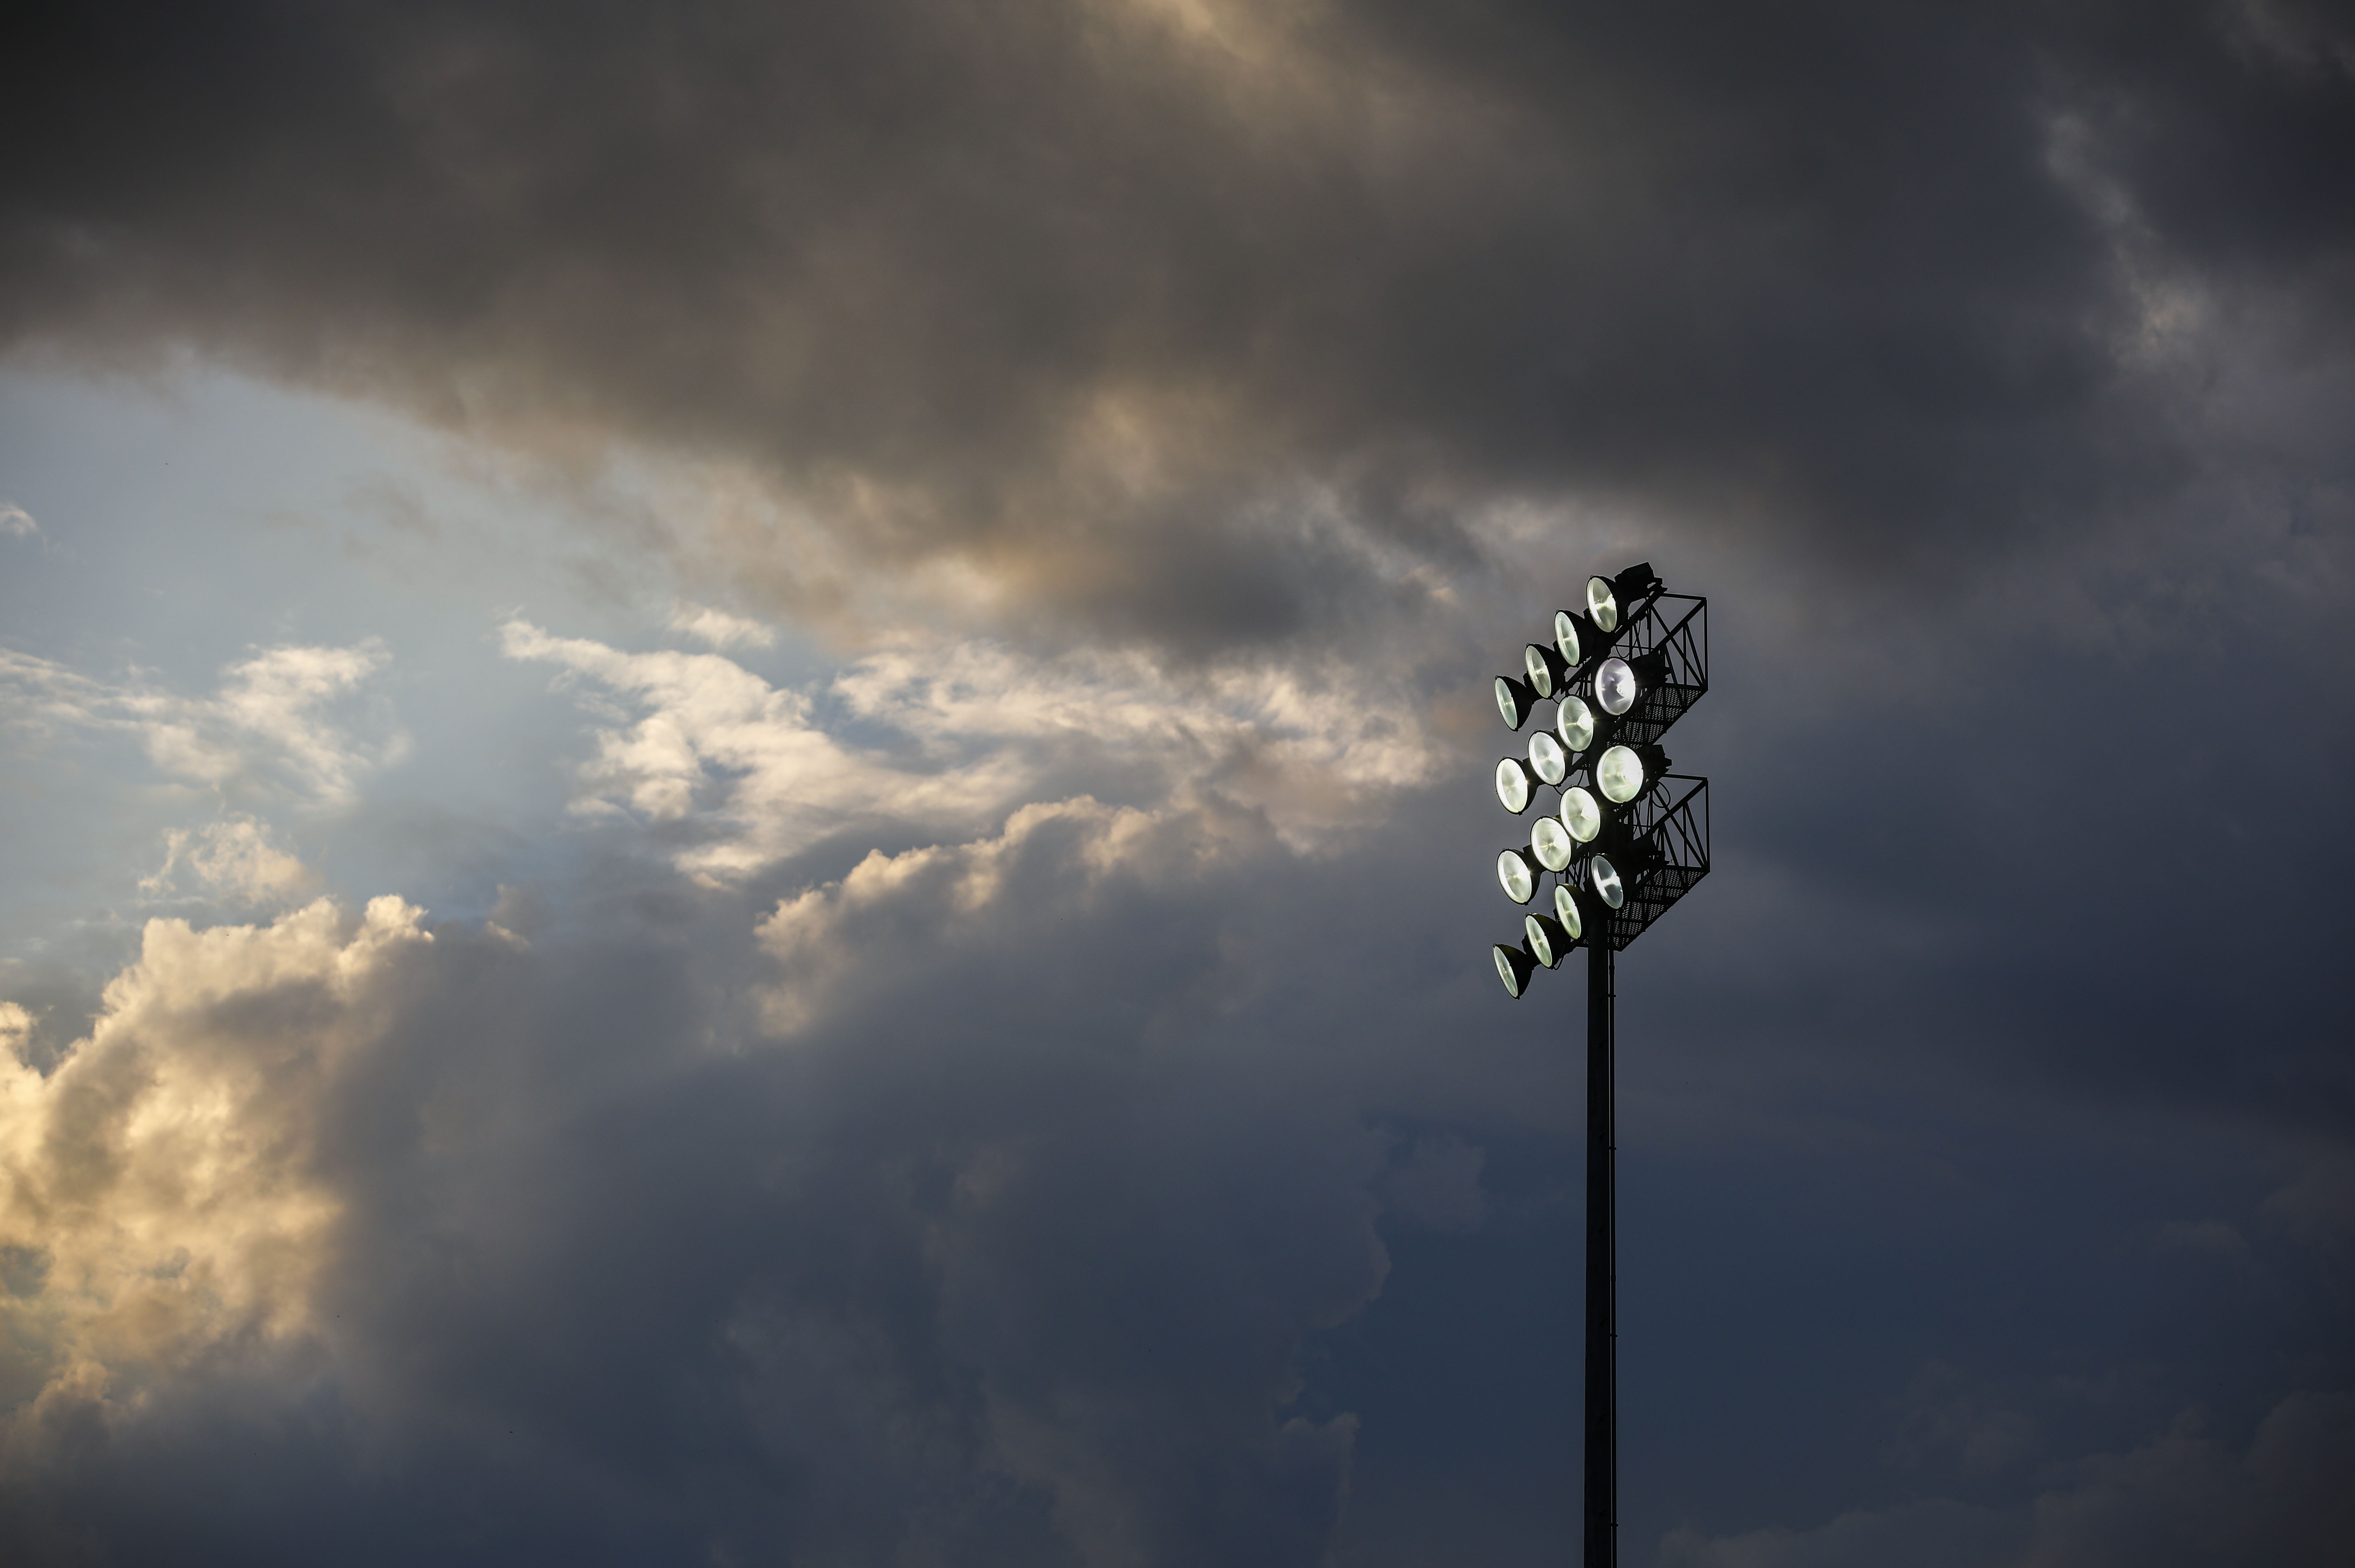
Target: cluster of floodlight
1586,840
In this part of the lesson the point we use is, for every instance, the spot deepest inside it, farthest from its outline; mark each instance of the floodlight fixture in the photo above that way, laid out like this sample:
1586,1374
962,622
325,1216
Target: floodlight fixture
1601,605
1615,687
1514,700
1546,758
1548,943
1591,640
1603,878
1580,814
1551,842
1625,773
1514,785
1565,637
1574,722
1566,913
1518,873
1619,775
1546,670
1514,967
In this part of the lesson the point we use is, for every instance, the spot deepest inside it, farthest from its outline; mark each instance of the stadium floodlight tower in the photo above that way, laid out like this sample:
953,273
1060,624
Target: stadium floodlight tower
1625,839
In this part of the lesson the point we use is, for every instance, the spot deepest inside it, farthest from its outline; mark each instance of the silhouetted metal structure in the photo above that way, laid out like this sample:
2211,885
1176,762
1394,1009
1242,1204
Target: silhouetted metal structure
1631,856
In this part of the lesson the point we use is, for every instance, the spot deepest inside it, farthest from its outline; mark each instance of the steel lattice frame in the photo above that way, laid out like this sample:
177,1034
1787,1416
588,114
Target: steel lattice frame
1685,643
1678,828
1674,822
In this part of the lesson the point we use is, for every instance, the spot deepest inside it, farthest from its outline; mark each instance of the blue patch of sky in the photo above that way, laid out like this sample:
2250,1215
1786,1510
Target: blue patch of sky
190,517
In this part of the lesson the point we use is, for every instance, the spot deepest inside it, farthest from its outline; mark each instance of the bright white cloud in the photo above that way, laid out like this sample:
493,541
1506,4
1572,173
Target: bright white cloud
968,732
16,522
268,724
718,744
234,857
157,1189
721,629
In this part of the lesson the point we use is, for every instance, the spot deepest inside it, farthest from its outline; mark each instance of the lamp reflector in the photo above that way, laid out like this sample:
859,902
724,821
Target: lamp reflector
1605,877
1574,722
1620,775
1514,699
1580,814
1548,943
1540,678
1565,910
1517,874
1551,842
1565,636
1601,605
1545,760
1513,786
1615,687
1514,967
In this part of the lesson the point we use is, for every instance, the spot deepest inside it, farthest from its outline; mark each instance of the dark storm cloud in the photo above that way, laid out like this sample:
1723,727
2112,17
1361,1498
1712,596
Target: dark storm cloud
1092,295
1017,1201
1011,1257
968,1267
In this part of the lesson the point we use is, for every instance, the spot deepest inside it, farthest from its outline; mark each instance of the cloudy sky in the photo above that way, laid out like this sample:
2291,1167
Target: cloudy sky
744,807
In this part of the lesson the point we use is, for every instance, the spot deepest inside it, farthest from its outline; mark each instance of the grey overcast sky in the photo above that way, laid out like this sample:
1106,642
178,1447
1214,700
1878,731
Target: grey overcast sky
744,807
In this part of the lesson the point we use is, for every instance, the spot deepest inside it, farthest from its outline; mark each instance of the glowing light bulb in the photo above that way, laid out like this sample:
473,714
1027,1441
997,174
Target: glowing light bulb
1615,687
1551,842
1565,910
1574,722
1513,786
1580,814
1546,759
1518,877
1601,605
1620,775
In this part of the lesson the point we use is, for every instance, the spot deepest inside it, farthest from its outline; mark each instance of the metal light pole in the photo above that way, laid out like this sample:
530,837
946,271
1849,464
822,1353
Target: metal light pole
1619,675
1602,1531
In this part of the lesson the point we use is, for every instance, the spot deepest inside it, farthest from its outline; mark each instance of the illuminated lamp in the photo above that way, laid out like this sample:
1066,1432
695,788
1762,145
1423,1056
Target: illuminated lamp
1566,629
1574,722
1548,943
1548,671
1603,878
1601,605
1514,967
1625,772
1551,842
1580,814
1513,786
1615,687
1514,700
1546,758
1518,874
